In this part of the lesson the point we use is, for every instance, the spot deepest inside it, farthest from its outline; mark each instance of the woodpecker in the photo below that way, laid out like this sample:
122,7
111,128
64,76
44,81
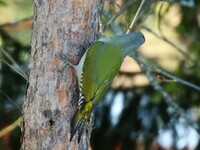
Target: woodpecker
96,71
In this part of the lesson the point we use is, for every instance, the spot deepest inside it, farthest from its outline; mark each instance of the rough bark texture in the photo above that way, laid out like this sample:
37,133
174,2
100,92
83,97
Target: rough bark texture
61,28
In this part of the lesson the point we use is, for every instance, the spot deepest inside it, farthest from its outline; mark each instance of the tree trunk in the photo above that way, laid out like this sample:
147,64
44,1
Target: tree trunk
61,29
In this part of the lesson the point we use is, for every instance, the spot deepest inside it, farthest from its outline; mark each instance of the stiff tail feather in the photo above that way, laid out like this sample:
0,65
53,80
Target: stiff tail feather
77,125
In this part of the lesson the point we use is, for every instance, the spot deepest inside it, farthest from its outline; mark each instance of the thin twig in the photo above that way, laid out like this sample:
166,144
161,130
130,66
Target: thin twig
170,43
12,101
124,7
136,16
10,127
166,73
17,69
114,26
167,98
14,69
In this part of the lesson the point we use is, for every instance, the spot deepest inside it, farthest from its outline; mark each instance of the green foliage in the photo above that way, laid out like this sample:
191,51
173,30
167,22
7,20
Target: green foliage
2,3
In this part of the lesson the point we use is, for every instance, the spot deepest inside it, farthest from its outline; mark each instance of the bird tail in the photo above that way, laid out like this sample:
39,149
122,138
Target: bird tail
77,124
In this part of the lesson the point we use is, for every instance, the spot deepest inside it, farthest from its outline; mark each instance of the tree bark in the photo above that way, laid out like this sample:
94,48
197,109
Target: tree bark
61,28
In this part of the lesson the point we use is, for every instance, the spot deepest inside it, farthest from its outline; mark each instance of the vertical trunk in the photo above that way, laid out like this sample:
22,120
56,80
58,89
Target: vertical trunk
61,28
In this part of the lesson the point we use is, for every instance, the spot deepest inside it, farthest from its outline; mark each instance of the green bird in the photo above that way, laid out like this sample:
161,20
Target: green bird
96,71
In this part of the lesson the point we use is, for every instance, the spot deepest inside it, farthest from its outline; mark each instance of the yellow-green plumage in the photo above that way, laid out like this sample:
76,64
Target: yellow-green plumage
102,62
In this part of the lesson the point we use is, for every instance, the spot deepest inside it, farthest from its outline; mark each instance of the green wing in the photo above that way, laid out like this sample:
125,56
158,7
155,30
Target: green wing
102,63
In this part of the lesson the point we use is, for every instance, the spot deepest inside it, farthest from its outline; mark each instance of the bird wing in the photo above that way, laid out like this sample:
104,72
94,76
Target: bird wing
101,65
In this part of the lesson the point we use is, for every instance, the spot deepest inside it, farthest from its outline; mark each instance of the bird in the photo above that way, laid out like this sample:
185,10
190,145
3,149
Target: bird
96,71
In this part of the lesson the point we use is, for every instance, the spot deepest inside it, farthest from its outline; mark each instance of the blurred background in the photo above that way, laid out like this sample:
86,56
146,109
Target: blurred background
136,113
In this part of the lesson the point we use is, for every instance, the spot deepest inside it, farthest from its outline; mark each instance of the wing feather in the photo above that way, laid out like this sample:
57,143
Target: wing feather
101,64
